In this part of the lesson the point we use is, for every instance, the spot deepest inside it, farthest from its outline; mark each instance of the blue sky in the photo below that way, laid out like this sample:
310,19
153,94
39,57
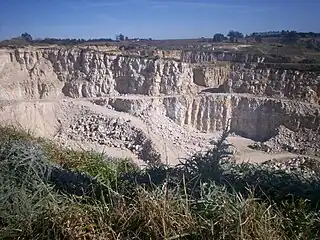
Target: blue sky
159,19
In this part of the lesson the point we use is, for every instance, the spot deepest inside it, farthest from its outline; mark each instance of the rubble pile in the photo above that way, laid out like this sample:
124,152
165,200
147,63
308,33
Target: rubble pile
305,165
190,140
113,132
303,141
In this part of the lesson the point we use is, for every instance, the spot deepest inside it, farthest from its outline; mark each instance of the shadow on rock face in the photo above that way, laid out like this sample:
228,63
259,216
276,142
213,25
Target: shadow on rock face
212,90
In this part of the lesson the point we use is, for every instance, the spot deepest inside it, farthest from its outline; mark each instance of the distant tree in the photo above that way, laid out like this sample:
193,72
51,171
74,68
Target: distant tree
234,36
218,37
313,34
289,37
258,38
120,37
126,38
27,37
283,33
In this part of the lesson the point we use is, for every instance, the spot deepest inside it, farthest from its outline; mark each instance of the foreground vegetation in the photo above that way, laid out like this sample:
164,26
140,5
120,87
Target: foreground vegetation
50,193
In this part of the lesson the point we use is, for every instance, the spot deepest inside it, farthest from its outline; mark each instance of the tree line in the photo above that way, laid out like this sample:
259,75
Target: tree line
285,36
288,37
26,38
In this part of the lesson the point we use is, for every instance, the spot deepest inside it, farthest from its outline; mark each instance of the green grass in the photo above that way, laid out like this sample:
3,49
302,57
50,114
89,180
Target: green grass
47,192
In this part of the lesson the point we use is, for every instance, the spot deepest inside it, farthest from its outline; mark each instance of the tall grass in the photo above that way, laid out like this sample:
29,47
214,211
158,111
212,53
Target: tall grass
47,192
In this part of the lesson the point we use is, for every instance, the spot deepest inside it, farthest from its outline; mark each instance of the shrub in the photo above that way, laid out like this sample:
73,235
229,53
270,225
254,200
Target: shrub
50,193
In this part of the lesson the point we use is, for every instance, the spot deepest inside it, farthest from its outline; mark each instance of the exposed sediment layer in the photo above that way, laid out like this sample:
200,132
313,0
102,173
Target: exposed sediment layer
211,56
259,80
87,73
248,116
50,72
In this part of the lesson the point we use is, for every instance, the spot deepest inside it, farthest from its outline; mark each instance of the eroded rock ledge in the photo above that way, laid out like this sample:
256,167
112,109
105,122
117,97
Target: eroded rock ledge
51,72
252,117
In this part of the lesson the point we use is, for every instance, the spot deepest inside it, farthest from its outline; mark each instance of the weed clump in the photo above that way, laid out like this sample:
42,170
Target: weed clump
50,193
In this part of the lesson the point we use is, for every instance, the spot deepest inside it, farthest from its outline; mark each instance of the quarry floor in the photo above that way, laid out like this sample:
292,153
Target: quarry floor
51,118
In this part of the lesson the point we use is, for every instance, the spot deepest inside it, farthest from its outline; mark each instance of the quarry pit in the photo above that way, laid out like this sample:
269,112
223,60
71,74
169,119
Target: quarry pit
166,106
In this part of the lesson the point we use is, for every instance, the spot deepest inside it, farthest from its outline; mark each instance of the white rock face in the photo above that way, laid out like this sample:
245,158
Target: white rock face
255,118
207,56
87,73
49,72
163,92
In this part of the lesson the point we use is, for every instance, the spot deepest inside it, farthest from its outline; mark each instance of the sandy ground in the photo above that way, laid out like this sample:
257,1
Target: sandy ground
247,154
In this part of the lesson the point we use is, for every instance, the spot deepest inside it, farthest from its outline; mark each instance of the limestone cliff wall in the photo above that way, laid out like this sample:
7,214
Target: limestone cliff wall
76,72
169,54
211,56
256,118
213,75
259,80
89,73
